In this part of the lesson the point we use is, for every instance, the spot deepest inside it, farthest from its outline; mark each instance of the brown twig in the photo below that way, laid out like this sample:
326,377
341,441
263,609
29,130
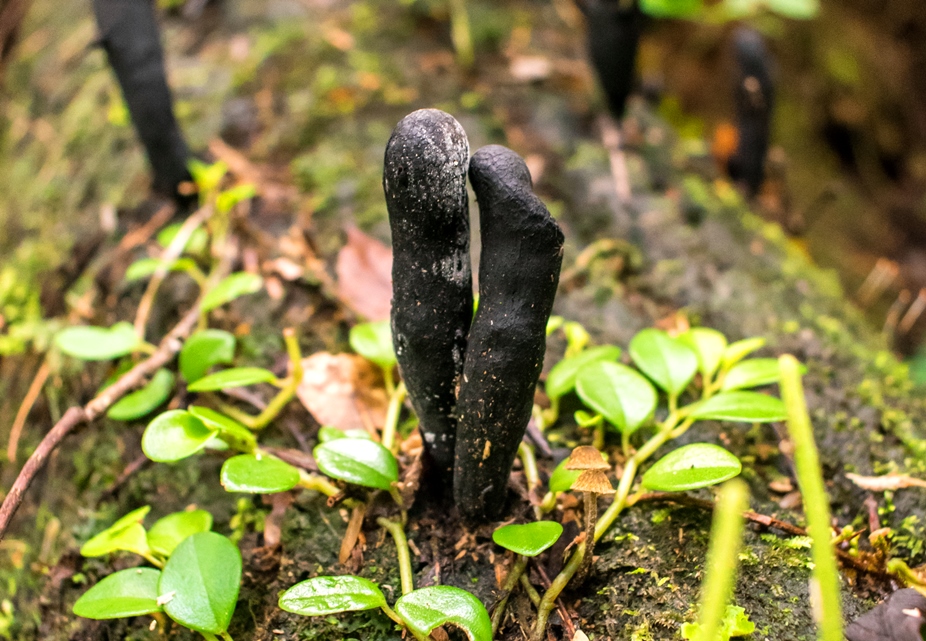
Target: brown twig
611,139
763,520
165,352
171,253
20,421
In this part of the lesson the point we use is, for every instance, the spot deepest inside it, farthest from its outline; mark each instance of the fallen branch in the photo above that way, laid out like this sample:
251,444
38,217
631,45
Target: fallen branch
765,521
165,352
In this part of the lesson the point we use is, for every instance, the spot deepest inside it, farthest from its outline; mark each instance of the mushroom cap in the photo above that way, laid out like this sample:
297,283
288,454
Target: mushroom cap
586,457
594,481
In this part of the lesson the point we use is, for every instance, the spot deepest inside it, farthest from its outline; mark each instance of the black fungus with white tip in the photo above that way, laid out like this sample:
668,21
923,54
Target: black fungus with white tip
432,306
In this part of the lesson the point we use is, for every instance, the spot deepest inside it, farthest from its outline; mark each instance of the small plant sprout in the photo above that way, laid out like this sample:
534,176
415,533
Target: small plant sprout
720,567
196,583
419,611
628,400
373,341
592,482
526,541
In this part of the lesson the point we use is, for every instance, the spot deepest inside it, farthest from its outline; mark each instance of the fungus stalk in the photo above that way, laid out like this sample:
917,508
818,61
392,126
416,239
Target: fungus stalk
518,276
592,482
424,180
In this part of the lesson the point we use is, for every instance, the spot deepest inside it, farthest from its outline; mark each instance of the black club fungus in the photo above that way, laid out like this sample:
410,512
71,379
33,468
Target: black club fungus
755,95
129,34
432,305
518,276
613,40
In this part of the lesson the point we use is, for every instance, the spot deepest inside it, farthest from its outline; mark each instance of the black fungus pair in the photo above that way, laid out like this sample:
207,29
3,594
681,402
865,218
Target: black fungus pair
471,379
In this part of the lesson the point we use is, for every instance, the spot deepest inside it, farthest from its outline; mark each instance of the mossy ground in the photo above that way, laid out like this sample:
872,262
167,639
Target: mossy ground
319,108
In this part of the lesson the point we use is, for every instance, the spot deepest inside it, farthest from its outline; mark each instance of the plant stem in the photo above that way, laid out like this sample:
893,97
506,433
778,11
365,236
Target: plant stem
532,593
388,380
286,394
726,538
401,546
816,502
396,398
392,615
318,483
548,602
226,636
460,33
517,571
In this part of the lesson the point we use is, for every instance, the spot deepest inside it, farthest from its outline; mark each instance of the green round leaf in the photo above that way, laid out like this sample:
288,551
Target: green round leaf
125,534
231,431
529,539
331,433
147,266
127,593
618,393
196,244
373,341
227,199
175,435
751,373
201,578
167,533
232,287
739,350
144,401
203,350
129,539
671,8
794,9
332,594
709,346
358,461
562,378
747,407
691,467
562,479
427,608
234,377
669,362
98,343
258,474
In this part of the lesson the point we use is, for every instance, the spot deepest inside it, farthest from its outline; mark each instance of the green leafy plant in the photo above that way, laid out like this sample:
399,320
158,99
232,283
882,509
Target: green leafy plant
196,581
727,10
695,364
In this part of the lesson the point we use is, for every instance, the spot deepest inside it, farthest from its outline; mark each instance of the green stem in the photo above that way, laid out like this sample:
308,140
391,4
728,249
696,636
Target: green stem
286,394
392,416
318,483
529,463
548,601
388,380
548,416
460,33
722,555
816,502
517,570
226,636
209,637
401,546
153,560
549,502
392,615
242,417
532,593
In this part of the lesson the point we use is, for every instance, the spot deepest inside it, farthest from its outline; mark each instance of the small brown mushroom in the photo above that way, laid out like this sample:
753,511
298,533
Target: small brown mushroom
591,482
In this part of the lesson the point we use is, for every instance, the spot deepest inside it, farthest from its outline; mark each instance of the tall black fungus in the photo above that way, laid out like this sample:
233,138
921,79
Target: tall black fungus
129,33
518,275
432,305
899,618
613,38
755,96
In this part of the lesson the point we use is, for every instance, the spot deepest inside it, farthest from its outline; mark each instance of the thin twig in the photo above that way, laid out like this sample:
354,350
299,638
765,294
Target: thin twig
171,253
28,402
167,350
611,139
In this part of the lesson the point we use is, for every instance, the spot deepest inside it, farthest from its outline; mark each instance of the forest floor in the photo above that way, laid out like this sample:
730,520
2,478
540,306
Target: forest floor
305,98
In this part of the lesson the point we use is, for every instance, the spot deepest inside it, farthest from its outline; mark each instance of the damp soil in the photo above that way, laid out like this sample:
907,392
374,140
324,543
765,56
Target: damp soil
309,92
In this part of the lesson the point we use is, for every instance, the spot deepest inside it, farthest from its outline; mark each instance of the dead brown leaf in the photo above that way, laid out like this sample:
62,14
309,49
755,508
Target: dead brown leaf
364,270
343,390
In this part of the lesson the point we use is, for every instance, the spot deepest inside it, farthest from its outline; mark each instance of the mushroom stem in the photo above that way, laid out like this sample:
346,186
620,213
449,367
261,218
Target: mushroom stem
591,516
